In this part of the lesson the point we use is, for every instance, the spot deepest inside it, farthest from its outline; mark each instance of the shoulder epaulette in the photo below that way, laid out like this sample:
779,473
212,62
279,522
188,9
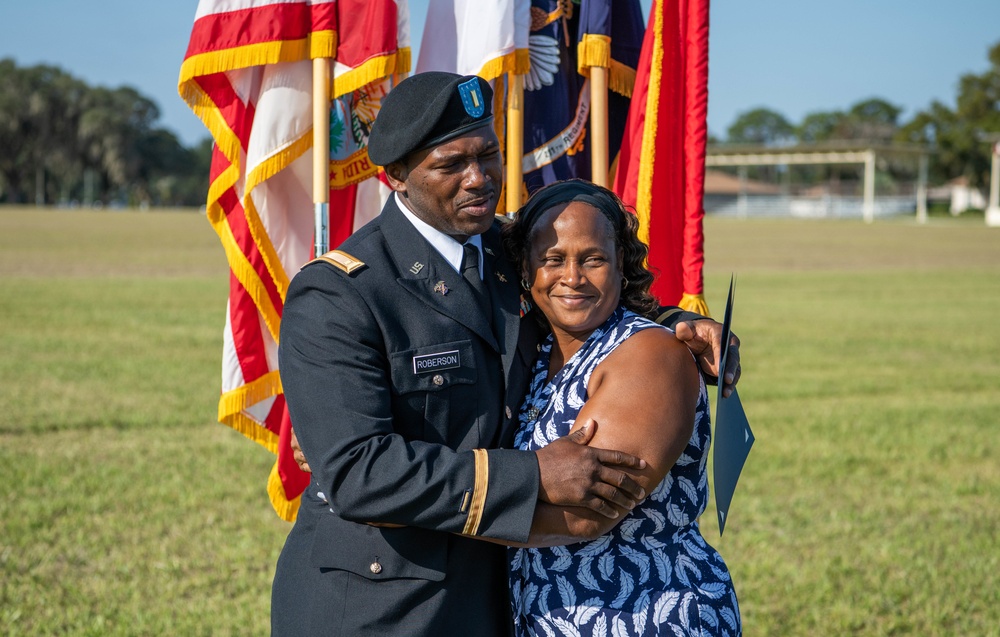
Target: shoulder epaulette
340,260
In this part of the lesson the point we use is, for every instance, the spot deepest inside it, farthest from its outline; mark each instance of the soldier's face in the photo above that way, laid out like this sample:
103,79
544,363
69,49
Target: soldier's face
454,187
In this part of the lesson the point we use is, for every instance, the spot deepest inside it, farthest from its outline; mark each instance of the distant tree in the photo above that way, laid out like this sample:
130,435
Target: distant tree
760,126
176,175
112,127
14,159
58,134
953,141
874,120
821,126
958,135
38,107
871,120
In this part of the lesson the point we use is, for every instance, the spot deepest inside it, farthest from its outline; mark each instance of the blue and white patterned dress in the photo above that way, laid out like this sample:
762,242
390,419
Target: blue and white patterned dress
653,574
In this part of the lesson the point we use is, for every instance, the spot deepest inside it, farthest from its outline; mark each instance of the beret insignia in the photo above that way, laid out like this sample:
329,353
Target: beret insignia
426,110
472,97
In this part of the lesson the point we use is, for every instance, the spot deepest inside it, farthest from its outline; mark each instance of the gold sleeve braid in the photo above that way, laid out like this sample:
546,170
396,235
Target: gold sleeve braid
666,315
479,490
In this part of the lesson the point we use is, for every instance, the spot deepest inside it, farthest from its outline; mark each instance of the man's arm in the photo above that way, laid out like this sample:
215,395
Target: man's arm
703,336
564,480
335,371
335,374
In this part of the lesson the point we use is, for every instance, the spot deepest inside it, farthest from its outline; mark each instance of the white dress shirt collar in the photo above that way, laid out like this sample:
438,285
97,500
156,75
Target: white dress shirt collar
446,246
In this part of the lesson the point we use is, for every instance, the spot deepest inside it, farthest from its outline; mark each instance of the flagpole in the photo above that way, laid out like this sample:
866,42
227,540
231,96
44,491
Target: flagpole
321,155
599,125
515,141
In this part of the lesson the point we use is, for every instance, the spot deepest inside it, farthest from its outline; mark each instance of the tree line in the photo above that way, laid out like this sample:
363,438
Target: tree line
958,136
64,141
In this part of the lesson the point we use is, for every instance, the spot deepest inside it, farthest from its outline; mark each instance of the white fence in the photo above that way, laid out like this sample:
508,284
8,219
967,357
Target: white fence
826,207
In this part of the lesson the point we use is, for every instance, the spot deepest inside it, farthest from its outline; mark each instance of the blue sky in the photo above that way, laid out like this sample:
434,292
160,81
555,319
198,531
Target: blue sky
794,56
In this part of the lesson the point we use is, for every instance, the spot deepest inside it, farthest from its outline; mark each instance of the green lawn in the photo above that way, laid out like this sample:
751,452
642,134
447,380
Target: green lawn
868,506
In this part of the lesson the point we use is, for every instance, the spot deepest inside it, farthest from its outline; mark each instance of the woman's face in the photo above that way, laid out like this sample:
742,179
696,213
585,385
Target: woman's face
573,268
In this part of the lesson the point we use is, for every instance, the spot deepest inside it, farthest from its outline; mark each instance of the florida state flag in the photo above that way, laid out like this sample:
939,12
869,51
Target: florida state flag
661,168
247,74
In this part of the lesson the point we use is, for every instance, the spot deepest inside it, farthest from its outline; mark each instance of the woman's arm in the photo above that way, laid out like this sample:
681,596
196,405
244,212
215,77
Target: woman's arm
643,397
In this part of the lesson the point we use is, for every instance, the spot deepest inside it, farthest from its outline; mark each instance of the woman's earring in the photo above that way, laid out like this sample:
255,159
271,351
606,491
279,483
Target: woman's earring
624,283
525,284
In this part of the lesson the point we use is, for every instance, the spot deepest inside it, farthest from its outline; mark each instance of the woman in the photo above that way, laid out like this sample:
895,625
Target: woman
650,572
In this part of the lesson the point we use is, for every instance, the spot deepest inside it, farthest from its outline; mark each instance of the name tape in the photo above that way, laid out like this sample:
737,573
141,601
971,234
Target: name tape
436,362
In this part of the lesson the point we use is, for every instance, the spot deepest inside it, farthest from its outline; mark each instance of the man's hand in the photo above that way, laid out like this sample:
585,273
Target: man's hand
300,458
573,474
704,339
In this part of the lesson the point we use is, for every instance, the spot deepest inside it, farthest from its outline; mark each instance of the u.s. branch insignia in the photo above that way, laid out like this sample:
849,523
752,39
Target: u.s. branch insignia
502,278
441,288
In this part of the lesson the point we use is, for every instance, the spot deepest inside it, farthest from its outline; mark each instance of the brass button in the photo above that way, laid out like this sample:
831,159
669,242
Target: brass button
438,379
507,409
375,568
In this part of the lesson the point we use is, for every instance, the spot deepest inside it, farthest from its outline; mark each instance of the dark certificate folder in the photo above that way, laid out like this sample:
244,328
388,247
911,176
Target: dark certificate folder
733,437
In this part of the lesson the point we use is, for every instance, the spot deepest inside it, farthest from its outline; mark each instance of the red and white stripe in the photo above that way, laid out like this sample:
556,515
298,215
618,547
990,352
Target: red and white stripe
247,74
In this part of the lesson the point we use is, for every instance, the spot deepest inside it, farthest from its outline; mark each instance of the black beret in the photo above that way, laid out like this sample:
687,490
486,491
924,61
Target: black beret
428,109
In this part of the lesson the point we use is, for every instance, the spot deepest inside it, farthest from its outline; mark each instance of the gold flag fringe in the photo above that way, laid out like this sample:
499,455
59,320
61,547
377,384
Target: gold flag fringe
252,430
229,145
321,44
261,173
371,70
621,78
285,508
515,62
595,50
236,400
648,151
403,60
694,303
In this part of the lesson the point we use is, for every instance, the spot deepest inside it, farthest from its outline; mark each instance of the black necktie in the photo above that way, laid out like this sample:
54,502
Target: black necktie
470,270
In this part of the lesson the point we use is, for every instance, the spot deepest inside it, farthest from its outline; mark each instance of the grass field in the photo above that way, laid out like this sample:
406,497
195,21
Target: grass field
869,505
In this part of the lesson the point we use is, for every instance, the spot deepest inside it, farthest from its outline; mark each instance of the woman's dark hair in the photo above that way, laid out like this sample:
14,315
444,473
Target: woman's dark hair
635,293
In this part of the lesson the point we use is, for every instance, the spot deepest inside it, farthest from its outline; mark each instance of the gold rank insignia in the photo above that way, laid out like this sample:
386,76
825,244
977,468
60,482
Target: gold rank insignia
502,278
340,260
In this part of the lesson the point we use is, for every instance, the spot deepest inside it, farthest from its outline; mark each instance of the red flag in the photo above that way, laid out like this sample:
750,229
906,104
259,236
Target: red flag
247,75
661,167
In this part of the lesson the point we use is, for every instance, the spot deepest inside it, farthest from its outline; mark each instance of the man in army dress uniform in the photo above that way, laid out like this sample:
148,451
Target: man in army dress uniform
404,362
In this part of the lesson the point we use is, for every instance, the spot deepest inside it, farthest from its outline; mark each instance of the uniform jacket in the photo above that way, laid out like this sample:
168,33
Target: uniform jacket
403,396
